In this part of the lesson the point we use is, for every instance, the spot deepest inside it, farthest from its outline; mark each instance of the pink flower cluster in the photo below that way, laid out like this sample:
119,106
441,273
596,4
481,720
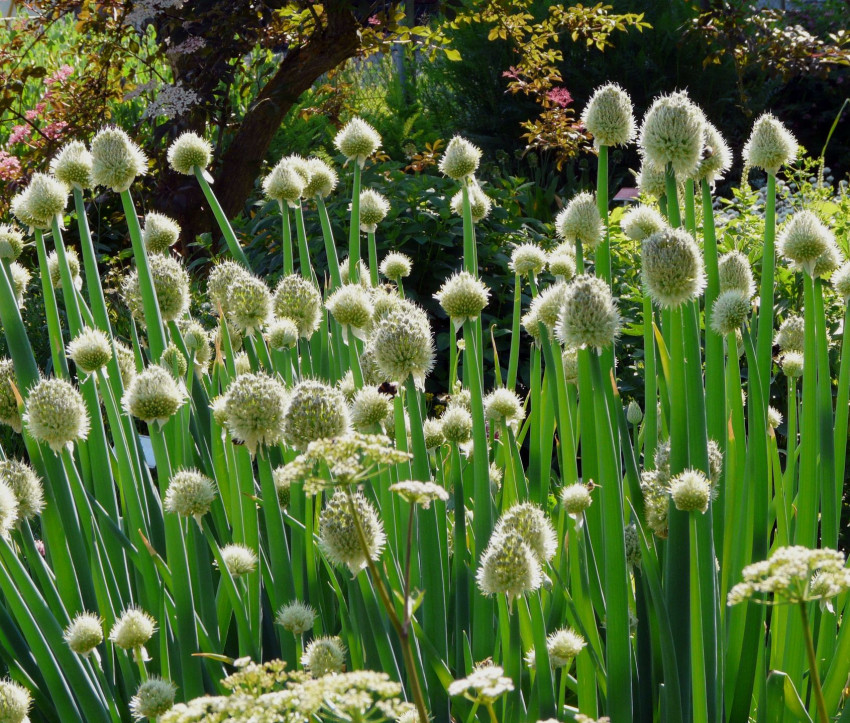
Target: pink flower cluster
18,134
10,167
560,96
60,76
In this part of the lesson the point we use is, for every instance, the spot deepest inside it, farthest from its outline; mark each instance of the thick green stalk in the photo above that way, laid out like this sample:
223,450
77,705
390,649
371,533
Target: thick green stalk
513,358
286,240
603,251
650,381
832,490
807,500
226,229
764,334
303,249
330,245
842,403
814,676
354,230
373,258
51,311
698,644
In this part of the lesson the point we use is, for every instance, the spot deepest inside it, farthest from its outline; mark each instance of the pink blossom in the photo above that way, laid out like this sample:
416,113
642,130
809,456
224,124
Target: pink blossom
18,134
560,96
35,112
60,76
512,73
374,20
54,130
10,167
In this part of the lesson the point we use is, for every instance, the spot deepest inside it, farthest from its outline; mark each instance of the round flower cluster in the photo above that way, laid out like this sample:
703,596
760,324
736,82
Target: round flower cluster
222,276
339,538
460,160
8,510
357,140
154,697
527,259
580,221
373,209
533,526
463,297
239,560
282,334
804,240
160,233
254,409
72,165
545,309
170,282
771,145
691,491
576,499
116,160
503,404
250,303
284,183
479,202
351,306
90,350
369,409
15,702
401,345
154,396
484,685
641,222
791,335
11,242
564,645
324,656
589,316
509,566
54,270
562,262
672,267
608,116
315,411
56,414
296,617
673,134
40,202
189,151
456,424
716,156
189,494
132,630
297,299
420,493
322,181
84,633
396,266
25,485
735,272
730,310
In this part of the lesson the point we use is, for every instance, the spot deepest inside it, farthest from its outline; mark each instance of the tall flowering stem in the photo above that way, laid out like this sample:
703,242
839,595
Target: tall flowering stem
764,333
354,230
288,256
226,229
831,497
330,245
842,401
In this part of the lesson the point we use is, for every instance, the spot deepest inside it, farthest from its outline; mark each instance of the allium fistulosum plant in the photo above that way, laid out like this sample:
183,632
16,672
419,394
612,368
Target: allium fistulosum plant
551,555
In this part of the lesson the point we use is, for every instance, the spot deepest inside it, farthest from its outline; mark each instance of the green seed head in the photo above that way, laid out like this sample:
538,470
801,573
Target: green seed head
73,265
508,566
56,414
460,160
153,698
357,140
46,198
284,183
634,414
250,304
25,485
116,160
841,281
73,165
296,617
154,396
315,411
827,262
189,494
771,145
173,361
339,538
11,242
433,432
533,526
220,279
373,209
132,629
239,560
479,202
736,273
672,267
20,281
351,306
126,362
791,335
562,265
171,283
641,222
322,181
463,297
189,151
84,633
580,221
792,364
160,233
254,409
673,133
456,424
8,510
369,408
545,309
396,266
609,117
401,345
19,206
528,260
589,316
197,341
324,656
570,360
564,645
633,549
691,491
282,486
803,240
282,334
576,498
774,417
15,702
731,309
90,350
503,404
297,299
716,156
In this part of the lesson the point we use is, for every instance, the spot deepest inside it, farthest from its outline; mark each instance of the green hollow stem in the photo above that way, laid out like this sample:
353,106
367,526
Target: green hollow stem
814,676
226,229
54,331
698,652
286,240
764,333
513,358
304,262
330,244
373,258
842,404
807,513
831,497
650,413
354,231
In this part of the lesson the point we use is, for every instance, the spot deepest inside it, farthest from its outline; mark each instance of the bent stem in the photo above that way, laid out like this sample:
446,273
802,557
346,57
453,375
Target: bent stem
814,677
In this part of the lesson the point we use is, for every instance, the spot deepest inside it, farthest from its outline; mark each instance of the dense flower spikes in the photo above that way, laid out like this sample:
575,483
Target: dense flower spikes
357,140
791,334
222,276
609,117
116,160
460,160
11,242
463,297
369,408
691,491
339,537
72,165
564,645
25,485
84,633
456,424
503,404
133,629
533,526
735,272
154,697
396,266
9,413
56,414
731,309
716,156
479,202
673,134
15,702
373,209
589,316
284,183
641,222
297,299
90,350
672,267
771,145
296,617
575,498
160,233
509,566
401,345
171,283
42,201
580,221
803,240
254,407
315,411
239,560
189,151
322,181
351,307
250,303
154,396
527,260
324,656
189,494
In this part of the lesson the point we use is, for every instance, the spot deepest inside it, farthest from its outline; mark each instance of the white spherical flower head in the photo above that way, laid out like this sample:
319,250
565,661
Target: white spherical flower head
189,151
716,156
509,566
339,538
45,199
460,160
589,316
771,145
527,259
564,645
562,264
580,221
314,411
154,396
545,309
401,345
250,304
609,117
532,524
351,307
803,240
284,183
503,404
672,267
792,364
673,133
432,430
160,233
15,702
84,633
173,361
25,485
154,698
90,350
841,281
791,335
55,273
324,656
20,281
735,272
463,297
827,262
239,560
171,283
301,166
72,165
254,407
11,242
396,266
357,140
116,160
222,276
133,629
19,206
774,417
189,494
731,309
296,617
322,181
56,414
297,299
373,209
456,424
641,222
652,181
576,499
8,510
369,409
691,491
282,334
479,202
